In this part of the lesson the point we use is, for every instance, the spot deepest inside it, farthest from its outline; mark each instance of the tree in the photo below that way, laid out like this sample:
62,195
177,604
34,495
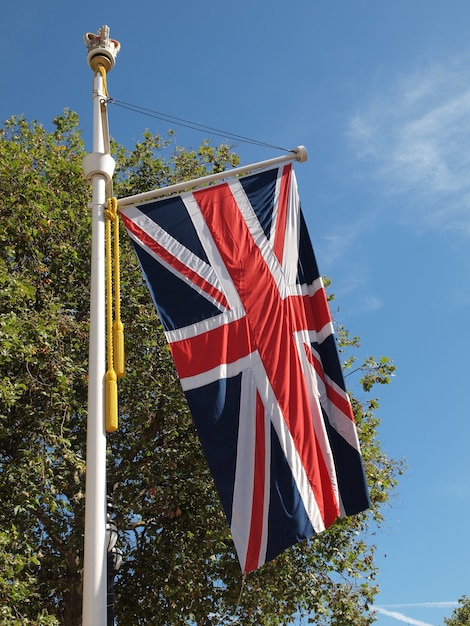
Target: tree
461,614
179,564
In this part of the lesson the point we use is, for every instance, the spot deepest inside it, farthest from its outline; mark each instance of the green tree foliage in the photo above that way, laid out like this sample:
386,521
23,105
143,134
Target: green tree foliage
179,562
460,615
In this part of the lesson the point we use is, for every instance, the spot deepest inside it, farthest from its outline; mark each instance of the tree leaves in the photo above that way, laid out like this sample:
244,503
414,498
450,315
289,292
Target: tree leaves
461,614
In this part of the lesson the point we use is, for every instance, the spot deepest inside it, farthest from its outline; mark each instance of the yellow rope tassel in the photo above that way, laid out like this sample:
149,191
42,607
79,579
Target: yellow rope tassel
111,401
118,335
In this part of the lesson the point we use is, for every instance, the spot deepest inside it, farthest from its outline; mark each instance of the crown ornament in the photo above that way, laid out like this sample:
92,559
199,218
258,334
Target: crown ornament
101,49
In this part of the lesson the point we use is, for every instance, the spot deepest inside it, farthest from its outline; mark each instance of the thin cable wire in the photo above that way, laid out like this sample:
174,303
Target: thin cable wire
193,125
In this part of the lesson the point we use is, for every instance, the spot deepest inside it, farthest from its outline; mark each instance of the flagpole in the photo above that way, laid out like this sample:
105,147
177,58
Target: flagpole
298,154
98,167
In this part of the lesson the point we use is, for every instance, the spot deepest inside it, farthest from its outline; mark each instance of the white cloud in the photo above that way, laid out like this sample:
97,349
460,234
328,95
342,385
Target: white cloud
371,304
416,140
343,242
401,617
426,605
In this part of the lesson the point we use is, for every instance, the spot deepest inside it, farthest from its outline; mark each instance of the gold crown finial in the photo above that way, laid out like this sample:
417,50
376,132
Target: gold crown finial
101,49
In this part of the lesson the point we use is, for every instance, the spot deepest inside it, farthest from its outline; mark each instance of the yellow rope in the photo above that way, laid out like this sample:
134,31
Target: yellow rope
102,71
118,328
114,331
111,398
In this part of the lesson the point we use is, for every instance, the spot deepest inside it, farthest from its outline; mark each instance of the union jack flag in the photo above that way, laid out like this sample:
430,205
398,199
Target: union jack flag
234,279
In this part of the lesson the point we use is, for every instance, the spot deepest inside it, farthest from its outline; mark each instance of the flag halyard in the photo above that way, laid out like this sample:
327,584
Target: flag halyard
235,281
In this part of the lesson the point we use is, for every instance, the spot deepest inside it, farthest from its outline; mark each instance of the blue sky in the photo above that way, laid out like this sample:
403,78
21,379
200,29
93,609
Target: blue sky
380,95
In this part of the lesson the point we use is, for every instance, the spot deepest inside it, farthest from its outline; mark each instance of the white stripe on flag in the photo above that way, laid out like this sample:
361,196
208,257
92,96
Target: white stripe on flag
225,370
211,250
288,447
176,249
290,256
314,394
256,231
243,486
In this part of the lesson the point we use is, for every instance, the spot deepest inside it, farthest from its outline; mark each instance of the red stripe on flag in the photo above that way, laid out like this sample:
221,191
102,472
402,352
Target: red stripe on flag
281,220
312,308
259,479
317,310
195,354
174,262
341,402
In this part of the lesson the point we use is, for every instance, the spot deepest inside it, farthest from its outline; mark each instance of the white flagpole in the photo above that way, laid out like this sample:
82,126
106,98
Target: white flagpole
298,154
98,167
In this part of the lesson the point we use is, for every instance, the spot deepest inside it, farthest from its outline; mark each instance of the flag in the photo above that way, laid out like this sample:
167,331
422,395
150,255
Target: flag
234,279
